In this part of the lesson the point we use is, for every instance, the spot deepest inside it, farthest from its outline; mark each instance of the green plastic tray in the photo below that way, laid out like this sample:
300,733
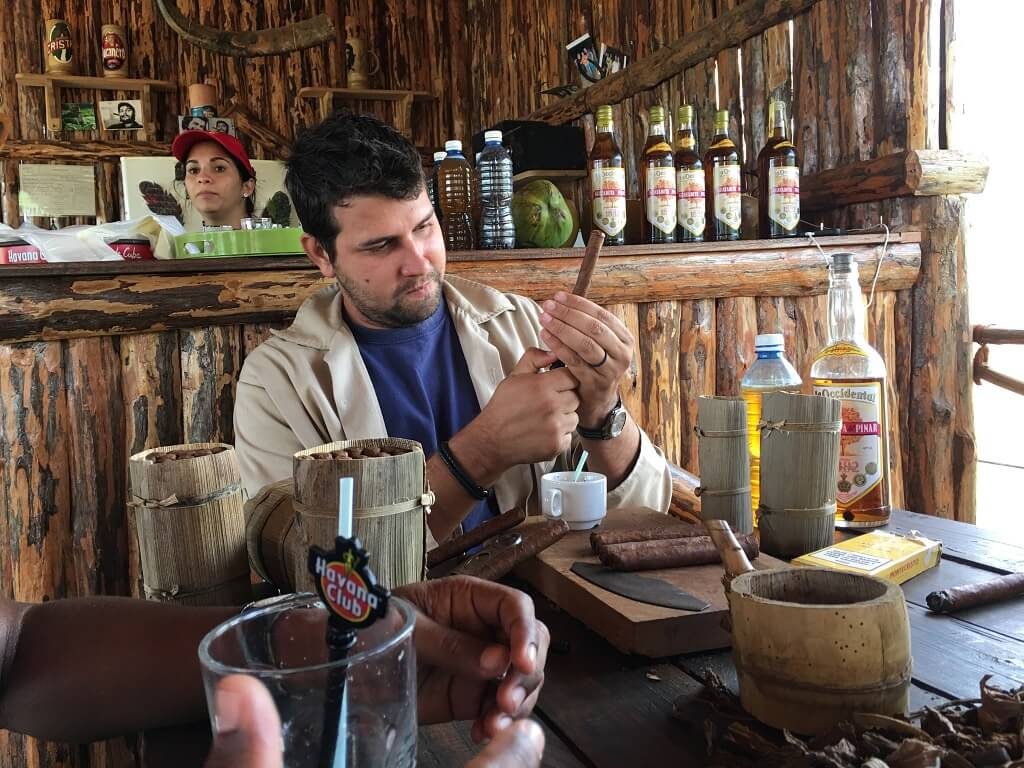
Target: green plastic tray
240,242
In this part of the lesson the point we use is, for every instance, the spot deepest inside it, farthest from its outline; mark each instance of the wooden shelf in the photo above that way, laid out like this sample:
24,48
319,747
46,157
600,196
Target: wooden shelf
403,101
52,83
81,151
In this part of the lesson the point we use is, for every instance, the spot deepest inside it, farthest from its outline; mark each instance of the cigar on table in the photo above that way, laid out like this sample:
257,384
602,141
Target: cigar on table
536,538
454,547
669,553
624,535
971,595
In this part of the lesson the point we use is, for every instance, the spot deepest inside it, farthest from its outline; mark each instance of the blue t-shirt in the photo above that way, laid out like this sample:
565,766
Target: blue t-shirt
422,383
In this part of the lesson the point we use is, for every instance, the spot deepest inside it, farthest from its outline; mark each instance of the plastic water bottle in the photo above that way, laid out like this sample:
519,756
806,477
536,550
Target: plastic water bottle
432,193
770,372
455,192
495,172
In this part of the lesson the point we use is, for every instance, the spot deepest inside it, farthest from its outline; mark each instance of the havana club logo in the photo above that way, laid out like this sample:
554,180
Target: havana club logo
59,44
346,584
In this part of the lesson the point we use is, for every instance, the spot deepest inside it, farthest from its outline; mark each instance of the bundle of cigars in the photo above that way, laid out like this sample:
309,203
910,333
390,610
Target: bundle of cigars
668,546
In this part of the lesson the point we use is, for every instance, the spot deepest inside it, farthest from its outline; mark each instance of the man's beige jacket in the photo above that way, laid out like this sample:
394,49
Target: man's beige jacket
308,385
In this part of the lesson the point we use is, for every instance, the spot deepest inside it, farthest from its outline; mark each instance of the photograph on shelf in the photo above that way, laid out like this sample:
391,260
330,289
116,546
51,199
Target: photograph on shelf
221,125
612,60
191,123
121,115
583,53
78,117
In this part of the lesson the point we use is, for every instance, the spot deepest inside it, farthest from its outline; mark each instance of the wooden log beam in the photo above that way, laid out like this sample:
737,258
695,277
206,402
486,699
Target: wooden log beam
70,306
728,30
80,151
987,334
273,142
920,172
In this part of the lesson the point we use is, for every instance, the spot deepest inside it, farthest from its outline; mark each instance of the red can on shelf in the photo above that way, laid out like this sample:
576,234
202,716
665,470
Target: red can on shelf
20,252
134,249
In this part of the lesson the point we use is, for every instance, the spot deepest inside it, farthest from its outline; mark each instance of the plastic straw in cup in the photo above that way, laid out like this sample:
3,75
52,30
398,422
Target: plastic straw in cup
346,488
579,466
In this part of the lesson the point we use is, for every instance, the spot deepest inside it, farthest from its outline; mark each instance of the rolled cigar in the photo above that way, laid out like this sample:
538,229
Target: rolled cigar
623,535
478,535
536,538
971,595
668,553
586,273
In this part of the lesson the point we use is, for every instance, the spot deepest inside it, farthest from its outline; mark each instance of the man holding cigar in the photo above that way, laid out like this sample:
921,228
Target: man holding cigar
380,353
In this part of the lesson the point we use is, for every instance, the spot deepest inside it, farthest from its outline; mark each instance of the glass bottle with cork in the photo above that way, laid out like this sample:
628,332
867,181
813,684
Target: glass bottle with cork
608,180
778,178
770,372
659,178
723,182
849,369
690,186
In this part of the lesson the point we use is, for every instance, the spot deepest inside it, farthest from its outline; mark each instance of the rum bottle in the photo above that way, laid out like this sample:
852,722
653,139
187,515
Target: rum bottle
659,177
778,179
723,182
608,181
690,196
850,370
770,372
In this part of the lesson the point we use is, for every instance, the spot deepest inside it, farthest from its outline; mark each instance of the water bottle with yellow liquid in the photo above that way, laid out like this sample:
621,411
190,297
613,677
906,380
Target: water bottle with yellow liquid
770,372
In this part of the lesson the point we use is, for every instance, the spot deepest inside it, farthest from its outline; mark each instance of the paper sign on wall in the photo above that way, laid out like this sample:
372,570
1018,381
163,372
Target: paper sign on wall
57,190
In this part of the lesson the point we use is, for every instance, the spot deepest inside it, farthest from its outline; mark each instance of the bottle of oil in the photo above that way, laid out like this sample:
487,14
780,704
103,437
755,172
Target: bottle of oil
770,372
778,179
608,181
455,193
690,195
723,182
659,177
852,371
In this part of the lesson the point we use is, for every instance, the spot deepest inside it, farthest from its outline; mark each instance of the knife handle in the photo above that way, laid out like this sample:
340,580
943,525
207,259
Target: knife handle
733,557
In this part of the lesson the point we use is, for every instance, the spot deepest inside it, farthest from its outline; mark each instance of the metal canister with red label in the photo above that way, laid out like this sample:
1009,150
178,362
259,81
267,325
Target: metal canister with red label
58,48
114,50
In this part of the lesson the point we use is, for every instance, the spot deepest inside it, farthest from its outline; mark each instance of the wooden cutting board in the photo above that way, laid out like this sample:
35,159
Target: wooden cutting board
633,627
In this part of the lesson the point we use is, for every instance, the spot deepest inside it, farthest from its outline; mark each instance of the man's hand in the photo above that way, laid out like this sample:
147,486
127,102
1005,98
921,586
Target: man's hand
530,418
248,727
480,652
521,745
594,344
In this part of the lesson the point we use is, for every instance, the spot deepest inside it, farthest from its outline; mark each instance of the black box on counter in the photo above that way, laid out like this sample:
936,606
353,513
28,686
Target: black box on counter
539,146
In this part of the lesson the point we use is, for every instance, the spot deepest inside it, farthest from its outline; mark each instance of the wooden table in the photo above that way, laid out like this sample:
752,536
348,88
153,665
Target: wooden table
601,708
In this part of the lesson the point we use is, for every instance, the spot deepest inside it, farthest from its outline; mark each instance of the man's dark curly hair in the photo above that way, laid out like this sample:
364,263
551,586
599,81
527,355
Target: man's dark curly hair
345,156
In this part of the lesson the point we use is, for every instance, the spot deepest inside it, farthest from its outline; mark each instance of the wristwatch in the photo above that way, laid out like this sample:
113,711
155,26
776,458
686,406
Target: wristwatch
612,426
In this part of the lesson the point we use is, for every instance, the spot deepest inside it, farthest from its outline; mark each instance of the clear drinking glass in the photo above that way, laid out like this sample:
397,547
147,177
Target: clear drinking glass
284,647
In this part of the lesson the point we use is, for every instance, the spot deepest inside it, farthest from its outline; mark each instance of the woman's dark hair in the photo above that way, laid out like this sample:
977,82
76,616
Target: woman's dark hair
345,156
250,201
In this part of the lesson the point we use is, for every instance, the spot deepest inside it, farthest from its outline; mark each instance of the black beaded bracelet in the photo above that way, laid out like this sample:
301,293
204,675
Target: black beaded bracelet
474,490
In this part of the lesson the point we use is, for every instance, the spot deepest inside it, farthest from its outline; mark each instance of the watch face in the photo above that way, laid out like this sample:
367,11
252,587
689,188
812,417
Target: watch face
618,423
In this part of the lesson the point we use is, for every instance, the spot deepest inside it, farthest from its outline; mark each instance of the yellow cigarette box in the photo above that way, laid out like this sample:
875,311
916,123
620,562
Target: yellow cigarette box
886,555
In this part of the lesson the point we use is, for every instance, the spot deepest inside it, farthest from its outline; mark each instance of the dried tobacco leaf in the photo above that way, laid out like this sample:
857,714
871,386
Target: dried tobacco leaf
1000,710
914,753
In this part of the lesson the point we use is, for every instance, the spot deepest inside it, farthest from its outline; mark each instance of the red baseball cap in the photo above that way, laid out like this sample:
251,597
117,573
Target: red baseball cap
184,142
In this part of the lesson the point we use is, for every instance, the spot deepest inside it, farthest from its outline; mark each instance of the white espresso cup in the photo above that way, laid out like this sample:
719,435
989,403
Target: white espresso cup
581,503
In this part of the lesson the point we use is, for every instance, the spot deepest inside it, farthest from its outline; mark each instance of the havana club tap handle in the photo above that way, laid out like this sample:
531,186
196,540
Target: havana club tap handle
733,557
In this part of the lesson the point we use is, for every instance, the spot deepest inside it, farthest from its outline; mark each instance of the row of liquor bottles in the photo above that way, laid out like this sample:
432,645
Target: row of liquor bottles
688,197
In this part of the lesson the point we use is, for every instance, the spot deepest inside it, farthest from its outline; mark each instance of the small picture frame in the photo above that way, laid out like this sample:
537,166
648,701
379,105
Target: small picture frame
612,60
124,115
583,53
78,117
221,125
191,123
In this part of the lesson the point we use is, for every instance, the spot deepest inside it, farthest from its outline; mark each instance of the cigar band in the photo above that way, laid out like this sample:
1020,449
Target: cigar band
702,491
800,426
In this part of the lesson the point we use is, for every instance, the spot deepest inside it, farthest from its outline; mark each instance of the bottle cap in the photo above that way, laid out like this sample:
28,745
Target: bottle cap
776,112
453,145
722,118
769,341
657,114
604,113
685,114
490,136
439,156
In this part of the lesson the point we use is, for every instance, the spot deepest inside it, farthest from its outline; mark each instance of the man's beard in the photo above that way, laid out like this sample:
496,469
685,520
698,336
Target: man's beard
402,311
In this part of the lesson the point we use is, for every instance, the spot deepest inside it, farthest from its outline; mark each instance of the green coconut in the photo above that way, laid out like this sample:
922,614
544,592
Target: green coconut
541,215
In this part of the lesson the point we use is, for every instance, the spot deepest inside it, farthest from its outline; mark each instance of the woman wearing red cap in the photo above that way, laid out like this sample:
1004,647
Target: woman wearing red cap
219,179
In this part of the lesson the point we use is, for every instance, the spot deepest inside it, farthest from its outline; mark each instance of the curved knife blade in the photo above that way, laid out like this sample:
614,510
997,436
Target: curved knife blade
643,589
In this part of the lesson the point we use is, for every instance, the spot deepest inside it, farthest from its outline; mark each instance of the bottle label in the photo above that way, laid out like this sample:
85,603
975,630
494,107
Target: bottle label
661,199
690,209
727,195
784,196
861,446
609,189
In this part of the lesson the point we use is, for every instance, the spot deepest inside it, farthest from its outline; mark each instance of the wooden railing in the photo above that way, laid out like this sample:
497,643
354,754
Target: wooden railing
985,335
